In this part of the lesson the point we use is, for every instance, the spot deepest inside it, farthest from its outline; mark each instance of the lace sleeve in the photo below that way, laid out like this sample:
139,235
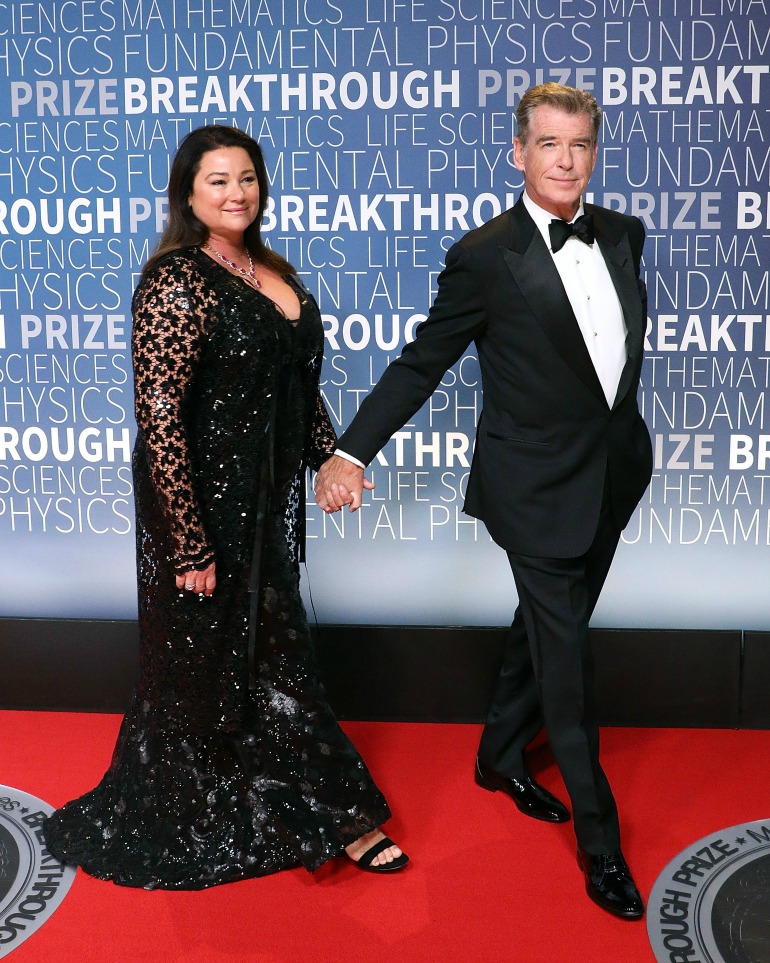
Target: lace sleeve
170,315
323,438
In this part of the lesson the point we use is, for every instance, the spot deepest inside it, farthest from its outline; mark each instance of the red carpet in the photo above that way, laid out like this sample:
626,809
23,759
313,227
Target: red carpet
485,883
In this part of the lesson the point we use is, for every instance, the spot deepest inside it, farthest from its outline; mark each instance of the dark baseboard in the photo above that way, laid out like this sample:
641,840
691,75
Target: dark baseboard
755,681
70,664
644,677
669,678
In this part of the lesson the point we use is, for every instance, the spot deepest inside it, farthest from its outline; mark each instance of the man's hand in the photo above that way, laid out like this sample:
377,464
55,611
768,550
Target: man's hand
340,482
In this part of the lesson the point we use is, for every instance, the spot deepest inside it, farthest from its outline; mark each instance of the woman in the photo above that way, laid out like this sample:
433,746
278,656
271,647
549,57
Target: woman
229,763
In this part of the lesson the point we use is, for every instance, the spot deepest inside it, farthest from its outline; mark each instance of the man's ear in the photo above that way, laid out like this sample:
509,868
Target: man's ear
518,154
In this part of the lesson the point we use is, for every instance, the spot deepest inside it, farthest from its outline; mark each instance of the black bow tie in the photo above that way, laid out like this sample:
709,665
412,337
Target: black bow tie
582,228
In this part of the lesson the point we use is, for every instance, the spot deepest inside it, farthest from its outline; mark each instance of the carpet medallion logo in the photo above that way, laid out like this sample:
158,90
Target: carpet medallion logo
711,904
32,882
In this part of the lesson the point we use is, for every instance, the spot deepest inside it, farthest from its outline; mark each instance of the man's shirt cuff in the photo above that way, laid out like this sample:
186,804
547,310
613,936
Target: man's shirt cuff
347,457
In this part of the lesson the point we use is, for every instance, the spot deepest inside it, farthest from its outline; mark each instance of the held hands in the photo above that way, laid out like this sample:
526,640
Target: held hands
340,482
198,583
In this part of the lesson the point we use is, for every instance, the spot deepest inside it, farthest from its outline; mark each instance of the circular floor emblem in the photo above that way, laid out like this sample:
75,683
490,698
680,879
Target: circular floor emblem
32,882
711,904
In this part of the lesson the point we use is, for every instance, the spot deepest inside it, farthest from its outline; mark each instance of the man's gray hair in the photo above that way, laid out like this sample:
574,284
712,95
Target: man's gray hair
569,99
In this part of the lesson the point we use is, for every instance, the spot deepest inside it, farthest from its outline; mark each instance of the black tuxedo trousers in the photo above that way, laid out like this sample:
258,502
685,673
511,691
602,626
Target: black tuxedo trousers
546,679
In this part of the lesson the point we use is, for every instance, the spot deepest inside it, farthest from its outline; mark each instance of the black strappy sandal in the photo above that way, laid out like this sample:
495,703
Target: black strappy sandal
365,860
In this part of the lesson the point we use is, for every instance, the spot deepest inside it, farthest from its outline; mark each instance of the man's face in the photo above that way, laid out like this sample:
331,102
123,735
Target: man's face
558,159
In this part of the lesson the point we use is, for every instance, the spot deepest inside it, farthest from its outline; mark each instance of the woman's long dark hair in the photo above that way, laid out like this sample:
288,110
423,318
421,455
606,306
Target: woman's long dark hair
184,229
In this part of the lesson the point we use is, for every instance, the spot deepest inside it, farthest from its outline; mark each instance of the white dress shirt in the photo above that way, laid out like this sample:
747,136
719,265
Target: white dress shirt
593,298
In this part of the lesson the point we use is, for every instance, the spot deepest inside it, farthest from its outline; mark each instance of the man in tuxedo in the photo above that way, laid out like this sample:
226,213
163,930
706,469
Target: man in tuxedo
550,292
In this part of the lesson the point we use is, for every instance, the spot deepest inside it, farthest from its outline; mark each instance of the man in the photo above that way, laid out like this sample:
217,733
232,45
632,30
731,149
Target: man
550,293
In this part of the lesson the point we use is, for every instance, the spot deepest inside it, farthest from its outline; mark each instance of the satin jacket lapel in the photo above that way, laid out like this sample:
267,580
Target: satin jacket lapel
619,259
531,264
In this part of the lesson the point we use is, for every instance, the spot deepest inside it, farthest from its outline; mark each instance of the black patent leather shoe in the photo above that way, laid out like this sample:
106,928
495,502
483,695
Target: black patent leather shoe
530,799
610,885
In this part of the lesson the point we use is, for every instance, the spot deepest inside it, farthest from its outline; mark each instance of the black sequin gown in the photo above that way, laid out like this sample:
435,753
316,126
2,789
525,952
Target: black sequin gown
229,763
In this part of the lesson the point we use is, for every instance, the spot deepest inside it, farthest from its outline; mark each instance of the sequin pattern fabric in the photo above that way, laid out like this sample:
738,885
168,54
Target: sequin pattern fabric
213,780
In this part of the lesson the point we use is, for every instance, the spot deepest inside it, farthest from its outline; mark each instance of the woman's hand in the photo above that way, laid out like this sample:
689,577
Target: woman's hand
198,582
340,482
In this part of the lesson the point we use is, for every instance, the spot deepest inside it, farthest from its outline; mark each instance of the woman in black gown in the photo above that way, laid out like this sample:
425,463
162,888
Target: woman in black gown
229,763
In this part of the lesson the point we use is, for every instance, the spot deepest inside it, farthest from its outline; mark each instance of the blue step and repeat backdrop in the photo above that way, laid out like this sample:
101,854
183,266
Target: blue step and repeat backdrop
387,127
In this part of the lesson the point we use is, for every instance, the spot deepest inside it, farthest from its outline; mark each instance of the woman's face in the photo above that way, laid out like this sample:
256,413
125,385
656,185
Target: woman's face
225,193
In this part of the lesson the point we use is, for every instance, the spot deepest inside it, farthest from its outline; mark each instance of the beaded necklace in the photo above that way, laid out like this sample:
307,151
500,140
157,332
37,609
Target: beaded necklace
247,274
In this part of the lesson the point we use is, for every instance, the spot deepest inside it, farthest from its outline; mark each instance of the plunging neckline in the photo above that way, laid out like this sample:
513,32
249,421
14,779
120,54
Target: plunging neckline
286,278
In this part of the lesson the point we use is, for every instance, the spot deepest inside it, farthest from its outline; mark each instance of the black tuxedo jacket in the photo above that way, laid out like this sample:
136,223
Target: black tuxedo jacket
547,438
